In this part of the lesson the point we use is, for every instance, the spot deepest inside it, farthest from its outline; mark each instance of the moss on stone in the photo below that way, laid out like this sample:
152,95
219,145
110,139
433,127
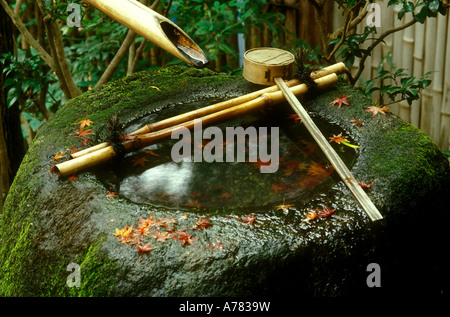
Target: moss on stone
48,222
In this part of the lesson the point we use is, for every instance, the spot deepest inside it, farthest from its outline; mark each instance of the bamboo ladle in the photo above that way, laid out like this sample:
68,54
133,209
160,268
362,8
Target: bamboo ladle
266,65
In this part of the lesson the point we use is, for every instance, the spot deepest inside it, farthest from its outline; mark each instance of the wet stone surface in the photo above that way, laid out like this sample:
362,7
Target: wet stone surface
225,230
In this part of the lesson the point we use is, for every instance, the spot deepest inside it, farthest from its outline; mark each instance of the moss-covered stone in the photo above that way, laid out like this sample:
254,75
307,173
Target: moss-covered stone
48,222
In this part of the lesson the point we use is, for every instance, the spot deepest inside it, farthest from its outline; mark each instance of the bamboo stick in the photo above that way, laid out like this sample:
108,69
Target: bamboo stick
337,68
105,154
444,138
427,98
437,85
328,150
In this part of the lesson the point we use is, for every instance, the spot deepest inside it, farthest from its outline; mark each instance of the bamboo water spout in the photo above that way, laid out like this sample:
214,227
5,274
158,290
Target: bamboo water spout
154,27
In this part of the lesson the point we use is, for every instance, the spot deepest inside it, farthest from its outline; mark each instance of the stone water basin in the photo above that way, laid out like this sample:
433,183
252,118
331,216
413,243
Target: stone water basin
251,247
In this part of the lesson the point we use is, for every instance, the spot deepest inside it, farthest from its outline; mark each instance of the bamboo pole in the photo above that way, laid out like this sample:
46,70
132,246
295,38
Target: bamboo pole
387,45
427,97
419,39
337,68
154,27
397,48
437,85
387,24
331,154
444,138
367,71
143,140
407,64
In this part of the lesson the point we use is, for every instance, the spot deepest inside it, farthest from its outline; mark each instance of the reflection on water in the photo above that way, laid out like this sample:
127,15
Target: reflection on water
169,179
151,177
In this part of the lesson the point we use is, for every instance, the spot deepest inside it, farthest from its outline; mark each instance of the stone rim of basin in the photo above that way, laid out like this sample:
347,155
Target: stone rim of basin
49,222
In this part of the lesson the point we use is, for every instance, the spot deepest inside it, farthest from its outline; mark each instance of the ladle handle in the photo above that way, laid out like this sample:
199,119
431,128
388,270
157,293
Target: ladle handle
368,206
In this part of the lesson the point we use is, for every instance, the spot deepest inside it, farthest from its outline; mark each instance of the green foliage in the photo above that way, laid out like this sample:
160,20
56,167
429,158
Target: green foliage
212,23
353,45
91,51
428,8
25,75
395,84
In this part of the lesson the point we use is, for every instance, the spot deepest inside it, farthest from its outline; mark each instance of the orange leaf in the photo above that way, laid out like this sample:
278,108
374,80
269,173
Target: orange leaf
356,122
59,155
73,177
225,196
83,133
295,117
338,138
84,123
202,224
249,219
376,110
140,161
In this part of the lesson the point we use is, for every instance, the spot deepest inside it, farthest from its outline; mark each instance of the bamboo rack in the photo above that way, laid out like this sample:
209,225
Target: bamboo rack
104,154
337,68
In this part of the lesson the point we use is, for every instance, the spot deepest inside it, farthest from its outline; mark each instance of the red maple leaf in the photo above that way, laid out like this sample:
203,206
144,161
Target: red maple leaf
280,187
218,245
73,177
356,122
83,133
364,185
59,155
338,138
296,118
144,248
111,194
161,236
376,110
325,212
185,238
140,161
339,101
249,219
225,196
73,150
202,224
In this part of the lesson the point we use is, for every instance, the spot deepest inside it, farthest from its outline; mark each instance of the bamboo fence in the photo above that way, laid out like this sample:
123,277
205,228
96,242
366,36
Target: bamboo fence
419,48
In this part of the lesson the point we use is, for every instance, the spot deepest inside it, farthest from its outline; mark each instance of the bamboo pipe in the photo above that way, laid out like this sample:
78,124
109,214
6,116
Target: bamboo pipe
337,68
331,154
154,27
105,154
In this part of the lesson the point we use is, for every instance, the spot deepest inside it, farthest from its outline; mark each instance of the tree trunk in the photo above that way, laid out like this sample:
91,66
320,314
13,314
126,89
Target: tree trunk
12,147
